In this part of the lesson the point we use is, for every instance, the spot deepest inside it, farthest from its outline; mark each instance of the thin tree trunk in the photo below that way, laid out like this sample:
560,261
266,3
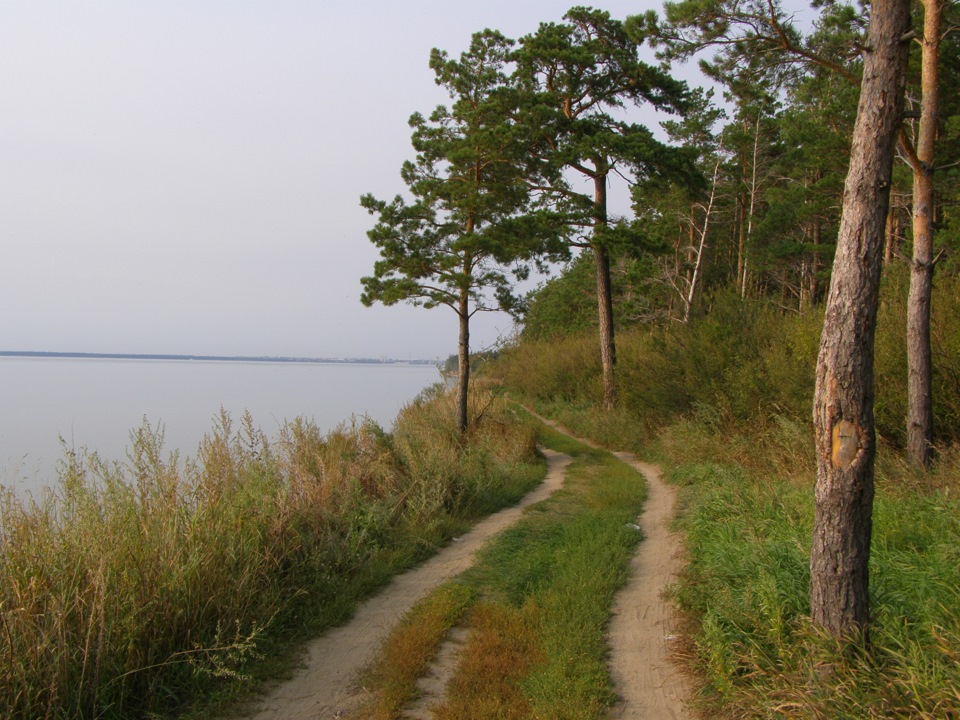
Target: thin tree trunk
753,202
708,211
608,349
815,284
741,244
843,400
919,360
889,233
463,361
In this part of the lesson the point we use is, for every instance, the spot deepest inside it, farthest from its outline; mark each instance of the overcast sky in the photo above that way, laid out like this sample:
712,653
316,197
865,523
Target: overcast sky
183,176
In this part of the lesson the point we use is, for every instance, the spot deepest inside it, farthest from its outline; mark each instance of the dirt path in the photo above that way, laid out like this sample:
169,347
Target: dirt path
326,686
642,626
650,685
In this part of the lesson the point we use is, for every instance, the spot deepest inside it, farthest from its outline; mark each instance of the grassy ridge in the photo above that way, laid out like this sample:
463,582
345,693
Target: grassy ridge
725,404
133,590
536,603
742,363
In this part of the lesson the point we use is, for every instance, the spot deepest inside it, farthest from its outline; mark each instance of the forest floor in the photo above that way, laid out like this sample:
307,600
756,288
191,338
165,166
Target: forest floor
648,682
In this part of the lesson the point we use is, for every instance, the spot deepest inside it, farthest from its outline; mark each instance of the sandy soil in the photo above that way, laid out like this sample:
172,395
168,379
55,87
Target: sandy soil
650,685
643,627
326,687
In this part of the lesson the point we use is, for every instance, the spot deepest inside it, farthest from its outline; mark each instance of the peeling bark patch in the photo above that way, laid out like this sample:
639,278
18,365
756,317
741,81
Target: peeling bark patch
846,444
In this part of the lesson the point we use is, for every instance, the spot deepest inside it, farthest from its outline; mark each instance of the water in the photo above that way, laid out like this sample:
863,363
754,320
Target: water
95,403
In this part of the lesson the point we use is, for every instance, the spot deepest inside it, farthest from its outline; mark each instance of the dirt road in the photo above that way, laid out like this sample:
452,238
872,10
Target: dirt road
649,685
326,686
642,626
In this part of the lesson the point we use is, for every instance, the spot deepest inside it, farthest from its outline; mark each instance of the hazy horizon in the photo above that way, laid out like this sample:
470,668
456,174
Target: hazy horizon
184,177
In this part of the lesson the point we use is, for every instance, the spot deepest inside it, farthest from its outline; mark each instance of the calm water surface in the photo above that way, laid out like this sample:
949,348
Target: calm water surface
96,403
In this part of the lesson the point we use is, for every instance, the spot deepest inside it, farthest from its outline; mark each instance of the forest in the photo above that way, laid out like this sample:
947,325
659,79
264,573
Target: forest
790,247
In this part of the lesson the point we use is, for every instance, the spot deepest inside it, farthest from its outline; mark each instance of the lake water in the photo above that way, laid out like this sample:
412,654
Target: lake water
95,403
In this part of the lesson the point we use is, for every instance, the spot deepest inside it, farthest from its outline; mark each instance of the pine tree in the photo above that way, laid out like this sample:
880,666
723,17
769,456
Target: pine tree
843,399
573,75
461,241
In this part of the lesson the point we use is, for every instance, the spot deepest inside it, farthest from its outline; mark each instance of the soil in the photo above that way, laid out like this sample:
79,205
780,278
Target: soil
643,627
650,685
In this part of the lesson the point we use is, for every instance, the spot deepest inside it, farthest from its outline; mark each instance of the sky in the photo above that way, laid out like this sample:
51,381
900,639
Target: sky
184,176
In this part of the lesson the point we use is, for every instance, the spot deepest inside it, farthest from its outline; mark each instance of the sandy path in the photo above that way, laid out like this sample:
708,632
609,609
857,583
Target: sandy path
326,686
649,684
642,626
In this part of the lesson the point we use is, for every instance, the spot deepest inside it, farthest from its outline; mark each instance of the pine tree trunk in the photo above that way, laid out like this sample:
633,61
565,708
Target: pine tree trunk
889,232
815,288
608,350
463,358
919,361
741,243
843,400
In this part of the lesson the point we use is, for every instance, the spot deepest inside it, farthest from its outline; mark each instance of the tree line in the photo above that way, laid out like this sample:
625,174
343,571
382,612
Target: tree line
834,152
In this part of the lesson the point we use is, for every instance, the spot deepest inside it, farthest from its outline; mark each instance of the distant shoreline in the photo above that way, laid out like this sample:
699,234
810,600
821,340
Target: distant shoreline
208,358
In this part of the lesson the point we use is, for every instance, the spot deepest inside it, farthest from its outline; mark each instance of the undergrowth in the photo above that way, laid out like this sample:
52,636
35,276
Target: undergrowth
141,588
724,404
749,527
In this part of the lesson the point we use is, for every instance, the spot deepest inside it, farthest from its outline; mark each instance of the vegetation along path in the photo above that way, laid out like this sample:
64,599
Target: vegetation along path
647,683
326,687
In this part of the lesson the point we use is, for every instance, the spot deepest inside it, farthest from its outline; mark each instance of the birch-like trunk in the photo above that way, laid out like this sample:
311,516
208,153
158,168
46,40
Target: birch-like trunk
708,211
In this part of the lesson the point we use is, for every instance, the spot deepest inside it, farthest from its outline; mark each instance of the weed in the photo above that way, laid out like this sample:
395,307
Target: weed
144,587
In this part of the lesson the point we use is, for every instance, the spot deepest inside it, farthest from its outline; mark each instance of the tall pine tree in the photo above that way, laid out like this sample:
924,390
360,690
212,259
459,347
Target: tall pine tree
573,76
459,241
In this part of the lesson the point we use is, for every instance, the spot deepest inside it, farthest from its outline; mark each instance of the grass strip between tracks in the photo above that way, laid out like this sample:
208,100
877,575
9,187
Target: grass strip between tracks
536,604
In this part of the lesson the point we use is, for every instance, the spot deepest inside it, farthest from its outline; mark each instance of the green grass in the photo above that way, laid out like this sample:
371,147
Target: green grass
724,404
542,593
163,586
748,528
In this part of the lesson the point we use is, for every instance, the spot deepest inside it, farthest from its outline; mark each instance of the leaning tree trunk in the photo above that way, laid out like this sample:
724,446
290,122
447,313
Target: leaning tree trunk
843,400
463,361
608,347
919,360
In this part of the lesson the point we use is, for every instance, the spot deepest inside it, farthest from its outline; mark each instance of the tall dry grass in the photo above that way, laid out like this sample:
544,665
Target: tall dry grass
133,588
745,362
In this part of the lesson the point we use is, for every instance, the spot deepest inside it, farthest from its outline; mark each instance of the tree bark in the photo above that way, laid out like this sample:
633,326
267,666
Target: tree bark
463,361
889,233
843,400
608,348
698,266
741,244
919,360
